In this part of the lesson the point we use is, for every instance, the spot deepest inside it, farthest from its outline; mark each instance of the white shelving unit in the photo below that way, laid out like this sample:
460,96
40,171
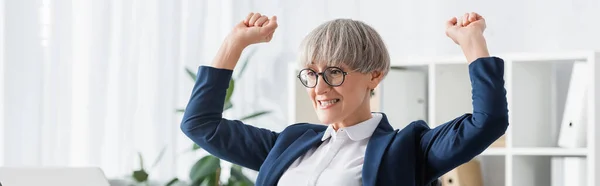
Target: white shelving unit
536,85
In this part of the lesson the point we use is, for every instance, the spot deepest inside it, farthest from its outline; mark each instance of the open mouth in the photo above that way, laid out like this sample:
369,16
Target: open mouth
323,104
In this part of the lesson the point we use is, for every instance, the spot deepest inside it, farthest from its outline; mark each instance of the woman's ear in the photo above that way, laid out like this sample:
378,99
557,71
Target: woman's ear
376,78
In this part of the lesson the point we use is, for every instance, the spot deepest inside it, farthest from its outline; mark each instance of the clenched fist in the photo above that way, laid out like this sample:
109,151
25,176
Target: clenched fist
256,28
468,26
467,32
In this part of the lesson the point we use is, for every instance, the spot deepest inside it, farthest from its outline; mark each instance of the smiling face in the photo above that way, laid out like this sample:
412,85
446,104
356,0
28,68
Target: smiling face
354,48
346,100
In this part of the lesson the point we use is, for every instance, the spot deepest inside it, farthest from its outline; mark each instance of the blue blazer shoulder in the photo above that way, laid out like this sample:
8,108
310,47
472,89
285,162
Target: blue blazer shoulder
415,155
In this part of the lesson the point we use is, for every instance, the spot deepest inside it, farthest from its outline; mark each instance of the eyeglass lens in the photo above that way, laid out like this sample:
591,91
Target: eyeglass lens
332,75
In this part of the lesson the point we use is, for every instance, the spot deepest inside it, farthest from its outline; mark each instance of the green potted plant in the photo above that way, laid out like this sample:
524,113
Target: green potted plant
207,170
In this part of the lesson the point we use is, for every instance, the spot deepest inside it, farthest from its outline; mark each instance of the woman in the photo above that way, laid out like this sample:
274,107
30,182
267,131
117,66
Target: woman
344,61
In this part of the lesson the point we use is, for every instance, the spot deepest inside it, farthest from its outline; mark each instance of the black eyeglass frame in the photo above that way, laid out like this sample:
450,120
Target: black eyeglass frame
344,73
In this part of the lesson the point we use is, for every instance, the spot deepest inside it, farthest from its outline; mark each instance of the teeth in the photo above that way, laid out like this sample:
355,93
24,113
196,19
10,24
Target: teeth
330,102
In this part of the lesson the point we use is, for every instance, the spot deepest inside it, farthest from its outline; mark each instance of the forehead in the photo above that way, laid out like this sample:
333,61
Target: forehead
323,66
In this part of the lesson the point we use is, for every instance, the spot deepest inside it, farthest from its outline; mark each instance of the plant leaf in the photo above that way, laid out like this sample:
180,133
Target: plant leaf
238,183
215,178
160,155
238,176
180,110
195,147
191,73
141,161
204,167
140,176
229,92
227,106
255,115
210,180
198,182
173,181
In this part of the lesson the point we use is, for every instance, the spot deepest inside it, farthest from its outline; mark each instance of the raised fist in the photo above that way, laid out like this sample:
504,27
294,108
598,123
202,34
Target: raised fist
256,28
462,30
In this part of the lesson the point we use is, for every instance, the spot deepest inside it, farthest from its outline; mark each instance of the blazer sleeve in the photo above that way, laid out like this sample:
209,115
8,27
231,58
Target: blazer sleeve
230,140
461,139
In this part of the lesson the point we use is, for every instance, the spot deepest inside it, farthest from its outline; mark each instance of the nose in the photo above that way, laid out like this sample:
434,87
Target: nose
322,87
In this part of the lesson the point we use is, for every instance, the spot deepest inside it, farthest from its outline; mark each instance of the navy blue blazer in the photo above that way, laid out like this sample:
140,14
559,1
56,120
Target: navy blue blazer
415,155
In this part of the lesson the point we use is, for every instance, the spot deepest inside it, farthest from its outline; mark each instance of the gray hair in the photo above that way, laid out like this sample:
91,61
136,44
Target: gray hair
346,41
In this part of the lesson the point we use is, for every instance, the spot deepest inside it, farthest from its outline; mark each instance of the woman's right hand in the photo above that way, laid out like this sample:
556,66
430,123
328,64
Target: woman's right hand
468,33
256,28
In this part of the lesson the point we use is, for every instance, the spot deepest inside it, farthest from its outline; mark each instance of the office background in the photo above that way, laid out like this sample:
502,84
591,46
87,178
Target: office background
94,82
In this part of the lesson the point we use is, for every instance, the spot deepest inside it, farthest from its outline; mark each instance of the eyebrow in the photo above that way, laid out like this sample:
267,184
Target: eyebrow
313,65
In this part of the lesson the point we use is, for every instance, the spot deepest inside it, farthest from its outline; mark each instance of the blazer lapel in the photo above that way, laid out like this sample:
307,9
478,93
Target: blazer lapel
305,142
376,147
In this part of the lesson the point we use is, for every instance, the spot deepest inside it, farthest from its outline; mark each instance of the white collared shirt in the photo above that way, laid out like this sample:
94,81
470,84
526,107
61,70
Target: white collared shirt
337,161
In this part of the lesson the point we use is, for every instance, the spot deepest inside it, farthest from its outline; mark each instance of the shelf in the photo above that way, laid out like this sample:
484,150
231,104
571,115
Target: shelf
514,57
493,170
494,152
406,97
538,151
458,59
549,57
550,151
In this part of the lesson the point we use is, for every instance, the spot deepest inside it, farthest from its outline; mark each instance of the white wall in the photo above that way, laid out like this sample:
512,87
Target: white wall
416,28
2,84
105,86
22,35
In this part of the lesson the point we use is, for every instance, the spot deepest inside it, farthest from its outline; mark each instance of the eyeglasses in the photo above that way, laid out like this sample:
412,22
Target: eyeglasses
333,76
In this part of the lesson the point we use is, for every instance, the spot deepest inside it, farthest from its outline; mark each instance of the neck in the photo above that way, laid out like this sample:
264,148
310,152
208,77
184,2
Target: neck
360,115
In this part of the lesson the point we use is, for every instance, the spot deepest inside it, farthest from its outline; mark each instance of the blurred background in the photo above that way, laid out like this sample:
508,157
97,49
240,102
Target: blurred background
99,82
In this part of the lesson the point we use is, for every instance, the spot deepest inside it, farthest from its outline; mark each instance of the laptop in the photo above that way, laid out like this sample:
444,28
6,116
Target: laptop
59,176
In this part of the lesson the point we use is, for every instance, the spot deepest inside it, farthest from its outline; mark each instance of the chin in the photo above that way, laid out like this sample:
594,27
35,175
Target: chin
327,117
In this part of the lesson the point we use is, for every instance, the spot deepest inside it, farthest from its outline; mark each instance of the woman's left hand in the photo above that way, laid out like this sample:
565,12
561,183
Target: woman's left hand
467,32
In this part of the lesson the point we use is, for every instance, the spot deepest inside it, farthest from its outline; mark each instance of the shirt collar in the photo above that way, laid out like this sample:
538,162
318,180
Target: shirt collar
359,131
